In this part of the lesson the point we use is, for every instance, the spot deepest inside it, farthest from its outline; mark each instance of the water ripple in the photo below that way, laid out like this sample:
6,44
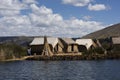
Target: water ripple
60,70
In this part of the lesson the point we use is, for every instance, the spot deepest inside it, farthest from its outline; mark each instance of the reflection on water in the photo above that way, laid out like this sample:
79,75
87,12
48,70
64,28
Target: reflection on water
60,70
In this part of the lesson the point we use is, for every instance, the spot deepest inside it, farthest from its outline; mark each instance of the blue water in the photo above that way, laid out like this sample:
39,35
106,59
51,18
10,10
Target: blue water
60,70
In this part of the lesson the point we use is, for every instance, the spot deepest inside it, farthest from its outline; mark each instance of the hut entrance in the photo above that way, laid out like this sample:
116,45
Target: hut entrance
82,48
72,47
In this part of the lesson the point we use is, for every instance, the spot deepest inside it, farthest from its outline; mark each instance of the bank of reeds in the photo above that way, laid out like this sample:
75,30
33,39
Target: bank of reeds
11,51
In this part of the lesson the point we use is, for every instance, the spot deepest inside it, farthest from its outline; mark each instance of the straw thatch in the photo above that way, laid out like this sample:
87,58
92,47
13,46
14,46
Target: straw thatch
69,45
88,43
46,50
116,40
37,45
116,44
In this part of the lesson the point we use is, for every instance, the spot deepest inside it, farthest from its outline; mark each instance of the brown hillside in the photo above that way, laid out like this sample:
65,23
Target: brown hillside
110,31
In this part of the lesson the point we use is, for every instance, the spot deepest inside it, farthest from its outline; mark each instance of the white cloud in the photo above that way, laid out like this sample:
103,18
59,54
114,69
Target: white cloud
81,27
11,7
42,16
40,10
29,1
87,17
97,7
11,4
77,2
9,12
43,21
82,3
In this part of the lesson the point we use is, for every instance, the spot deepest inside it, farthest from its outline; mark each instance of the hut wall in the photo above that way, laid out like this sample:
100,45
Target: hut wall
75,48
60,49
72,48
69,49
37,49
51,48
82,48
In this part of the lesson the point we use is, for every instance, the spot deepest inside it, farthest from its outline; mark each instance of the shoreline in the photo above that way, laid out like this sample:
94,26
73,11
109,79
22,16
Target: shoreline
15,59
74,57
70,57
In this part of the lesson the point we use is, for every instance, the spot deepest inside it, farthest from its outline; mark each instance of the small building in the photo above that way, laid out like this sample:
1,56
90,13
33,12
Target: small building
88,43
116,40
37,45
57,46
116,44
69,45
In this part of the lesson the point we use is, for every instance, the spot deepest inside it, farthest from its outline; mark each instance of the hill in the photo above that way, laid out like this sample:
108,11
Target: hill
19,40
111,31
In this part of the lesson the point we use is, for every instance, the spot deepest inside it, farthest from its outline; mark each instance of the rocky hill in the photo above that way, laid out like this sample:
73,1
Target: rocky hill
111,31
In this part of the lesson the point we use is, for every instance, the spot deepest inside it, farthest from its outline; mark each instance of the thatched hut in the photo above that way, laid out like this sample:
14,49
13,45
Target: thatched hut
116,44
69,45
37,45
116,40
88,43
57,46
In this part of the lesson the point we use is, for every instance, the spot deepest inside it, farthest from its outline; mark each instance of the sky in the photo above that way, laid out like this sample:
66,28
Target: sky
57,18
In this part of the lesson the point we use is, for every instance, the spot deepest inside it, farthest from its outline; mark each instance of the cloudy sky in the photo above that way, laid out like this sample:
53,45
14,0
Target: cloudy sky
59,18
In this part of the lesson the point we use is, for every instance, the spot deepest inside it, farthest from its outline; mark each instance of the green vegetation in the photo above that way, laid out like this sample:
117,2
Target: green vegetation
97,50
11,51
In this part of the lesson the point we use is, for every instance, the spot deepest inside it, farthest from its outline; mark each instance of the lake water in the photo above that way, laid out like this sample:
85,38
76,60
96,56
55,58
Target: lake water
60,70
